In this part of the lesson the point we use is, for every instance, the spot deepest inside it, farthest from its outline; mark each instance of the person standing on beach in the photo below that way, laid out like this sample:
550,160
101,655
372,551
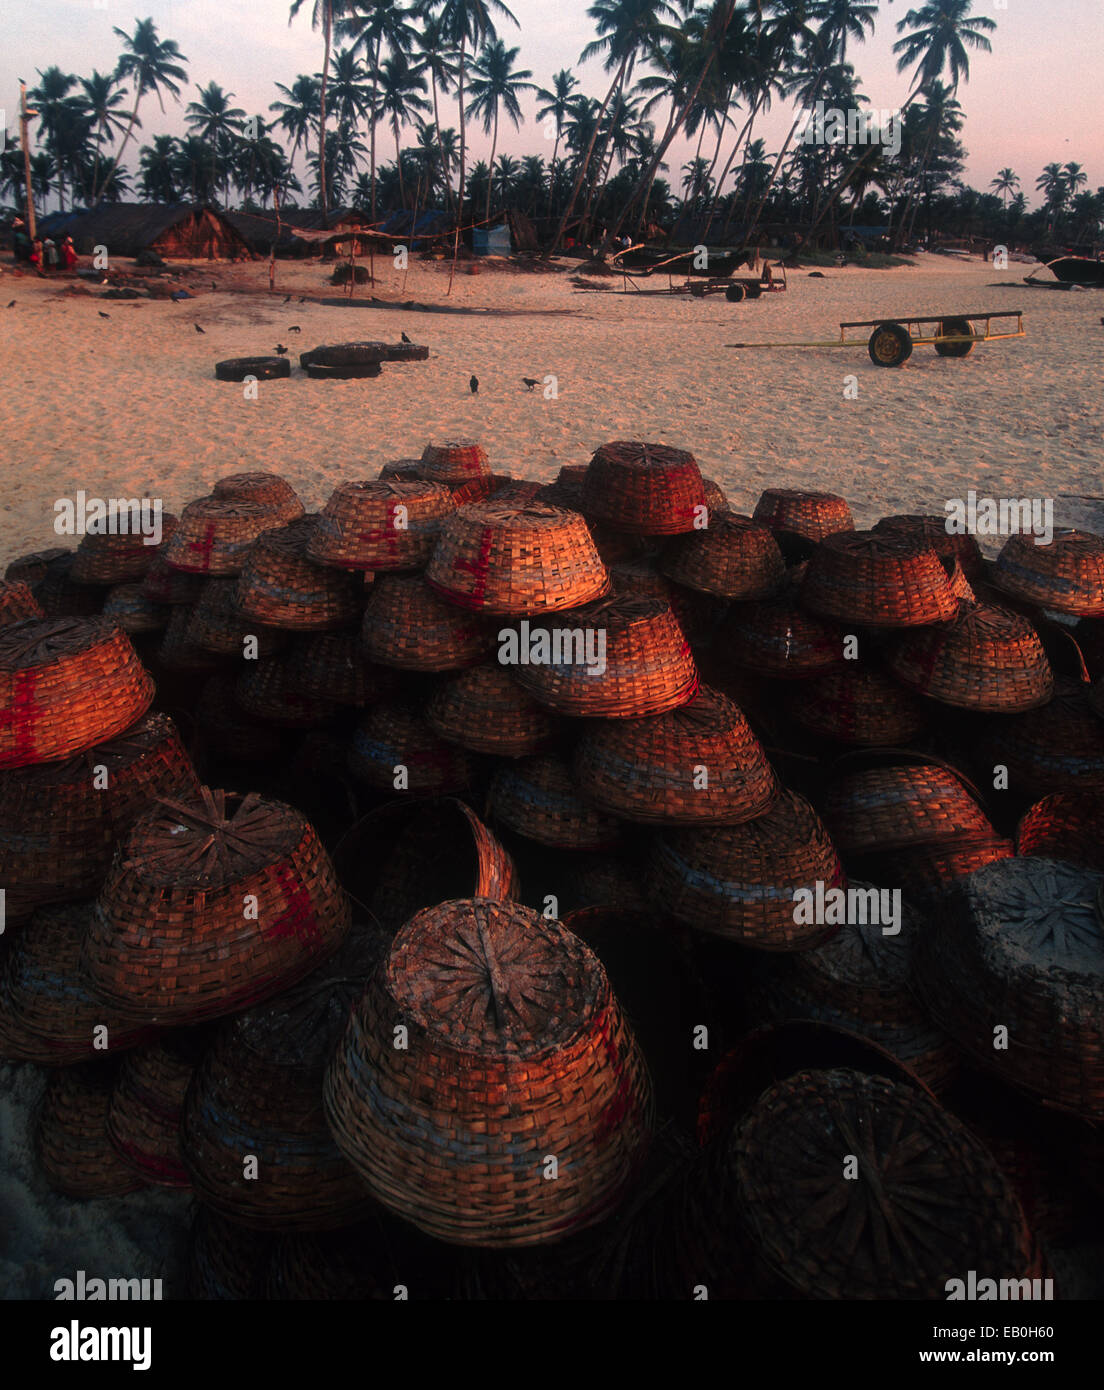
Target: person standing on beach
68,253
35,257
21,242
49,256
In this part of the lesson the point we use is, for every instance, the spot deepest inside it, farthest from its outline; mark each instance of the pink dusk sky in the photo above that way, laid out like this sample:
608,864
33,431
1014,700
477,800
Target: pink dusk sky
1035,99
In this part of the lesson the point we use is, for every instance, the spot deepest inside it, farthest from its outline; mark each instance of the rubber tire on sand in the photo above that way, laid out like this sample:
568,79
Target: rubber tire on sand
735,293
890,357
344,354
263,368
319,371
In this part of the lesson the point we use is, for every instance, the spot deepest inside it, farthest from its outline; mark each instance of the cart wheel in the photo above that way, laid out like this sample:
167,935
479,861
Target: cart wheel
954,328
734,293
697,289
889,345
753,291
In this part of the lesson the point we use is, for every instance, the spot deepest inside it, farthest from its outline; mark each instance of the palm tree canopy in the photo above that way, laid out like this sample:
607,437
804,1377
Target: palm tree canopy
495,84
941,33
153,64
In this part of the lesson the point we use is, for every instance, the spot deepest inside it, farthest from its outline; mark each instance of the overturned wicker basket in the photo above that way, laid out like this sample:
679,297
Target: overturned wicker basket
118,558
857,704
215,535
17,603
406,625
266,490
70,1136
388,525
454,462
810,515
932,531
1066,575
486,711
394,749
777,637
147,1102
879,580
733,557
280,586
539,799
646,489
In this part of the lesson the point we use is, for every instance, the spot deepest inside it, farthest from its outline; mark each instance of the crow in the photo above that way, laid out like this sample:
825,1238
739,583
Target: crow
281,349
530,382
12,304
474,384
198,329
287,299
102,314
303,299
406,339
295,328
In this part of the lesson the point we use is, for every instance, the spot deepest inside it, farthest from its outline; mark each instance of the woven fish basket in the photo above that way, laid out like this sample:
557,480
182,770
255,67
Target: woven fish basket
60,822
716,498
217,624
739,881
406,625
504,559
267,490
413,854
331,667
121,558
390,738
175,938
621,548
517,1056
1059,747
857,704
539,799
227,1262
1066,575
281,587
65,685
648,665
48,1013
642,578
215,535
228,731
59,596
127,606
477,490
513,491
603,880
454,462
178,654
147,1103
567,490
699,764
928,1201
733,557
486,711
932,531
267,690
71,1146
163,584
31,569
17,603
985,659
812,515
1067,826
777,637
646,489
388,525
879,580
404,470
1019,945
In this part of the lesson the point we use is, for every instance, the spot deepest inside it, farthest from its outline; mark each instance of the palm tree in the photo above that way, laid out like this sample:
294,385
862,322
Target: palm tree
942,30
298,111
557,103
214,120
152,64
193,171
323,15
439,62
1006,182
57,110
1053,185
1076,178
158,165
495,86
102,95
400,87
349,95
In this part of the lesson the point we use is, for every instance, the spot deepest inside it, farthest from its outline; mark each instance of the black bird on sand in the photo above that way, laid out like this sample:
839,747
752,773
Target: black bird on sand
287,299
530,382
12,304
102,314
295,328
198,329
281,349
406,339
474,384
303,299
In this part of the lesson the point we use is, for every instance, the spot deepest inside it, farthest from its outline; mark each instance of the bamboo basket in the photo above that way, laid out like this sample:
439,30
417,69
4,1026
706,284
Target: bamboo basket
811,515
932,531
1059,747
739,881
164,585
117,558
1018,946
217,624
504,559
604,880
227,1262
65,685
171,941
715,497
390,737
267,691
32,568
178,654
942,1206
646,489
1067,826
733,557
59,596
71,1146
266,490
147,1102
879,580
640,578
127,606
215,535
454,462
403,470
777,637
406,625
649,668
567,490
1067,575
699,764
281,587
517,1052
228,731
388,525
331,667
17,603
539,799
486,711
857,704
984,659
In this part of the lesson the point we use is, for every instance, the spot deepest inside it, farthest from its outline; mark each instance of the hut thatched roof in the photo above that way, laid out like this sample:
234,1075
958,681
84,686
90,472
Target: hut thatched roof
127,228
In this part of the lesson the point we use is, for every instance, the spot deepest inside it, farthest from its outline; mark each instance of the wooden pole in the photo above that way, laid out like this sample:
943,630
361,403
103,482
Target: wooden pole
24,121
272,254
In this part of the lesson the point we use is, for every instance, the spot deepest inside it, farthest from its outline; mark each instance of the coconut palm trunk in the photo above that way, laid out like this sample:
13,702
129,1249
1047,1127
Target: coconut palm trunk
327,30
126,137
581,175
490,173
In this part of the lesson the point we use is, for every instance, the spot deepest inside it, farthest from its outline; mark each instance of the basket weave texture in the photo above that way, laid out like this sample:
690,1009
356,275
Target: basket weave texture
645,489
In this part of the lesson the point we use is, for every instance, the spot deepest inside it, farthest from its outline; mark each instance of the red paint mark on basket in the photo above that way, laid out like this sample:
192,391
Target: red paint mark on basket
622,1104
299,918
205,546
20,718
479,567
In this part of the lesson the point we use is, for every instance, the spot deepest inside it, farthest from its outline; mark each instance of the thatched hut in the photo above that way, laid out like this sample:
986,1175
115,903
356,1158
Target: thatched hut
303,231
172,230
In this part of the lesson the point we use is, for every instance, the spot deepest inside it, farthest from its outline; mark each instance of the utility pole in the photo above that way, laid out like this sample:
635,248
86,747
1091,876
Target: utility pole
24,121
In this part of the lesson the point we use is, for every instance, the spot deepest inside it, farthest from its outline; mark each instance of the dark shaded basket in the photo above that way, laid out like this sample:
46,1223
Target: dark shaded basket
646,489
927,1202
227,1262
60,822
281,587
985,659
331,667
715,497
215,535
228,730
172,941
17,603
514,491
506,559
59,596
413,854
217,624
66,684
387,525
477,490
932,531
32,568
517,1052
857,704
603,880
812,515
71,1146
879,580
1059,747
894,808
267,490
1067,575
404,470
48,1013
164,584
699,764
267,690
777,637
179,654
1067,826
567,490
733,557
118,558
739,881
406,625
1020,945
147,1102
486,711
454,462
539,799
391,737
1089,635
649,667
640,578
127,606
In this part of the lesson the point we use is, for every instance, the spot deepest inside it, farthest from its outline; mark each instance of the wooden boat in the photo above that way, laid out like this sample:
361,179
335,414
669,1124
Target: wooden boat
1073,270
644,260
